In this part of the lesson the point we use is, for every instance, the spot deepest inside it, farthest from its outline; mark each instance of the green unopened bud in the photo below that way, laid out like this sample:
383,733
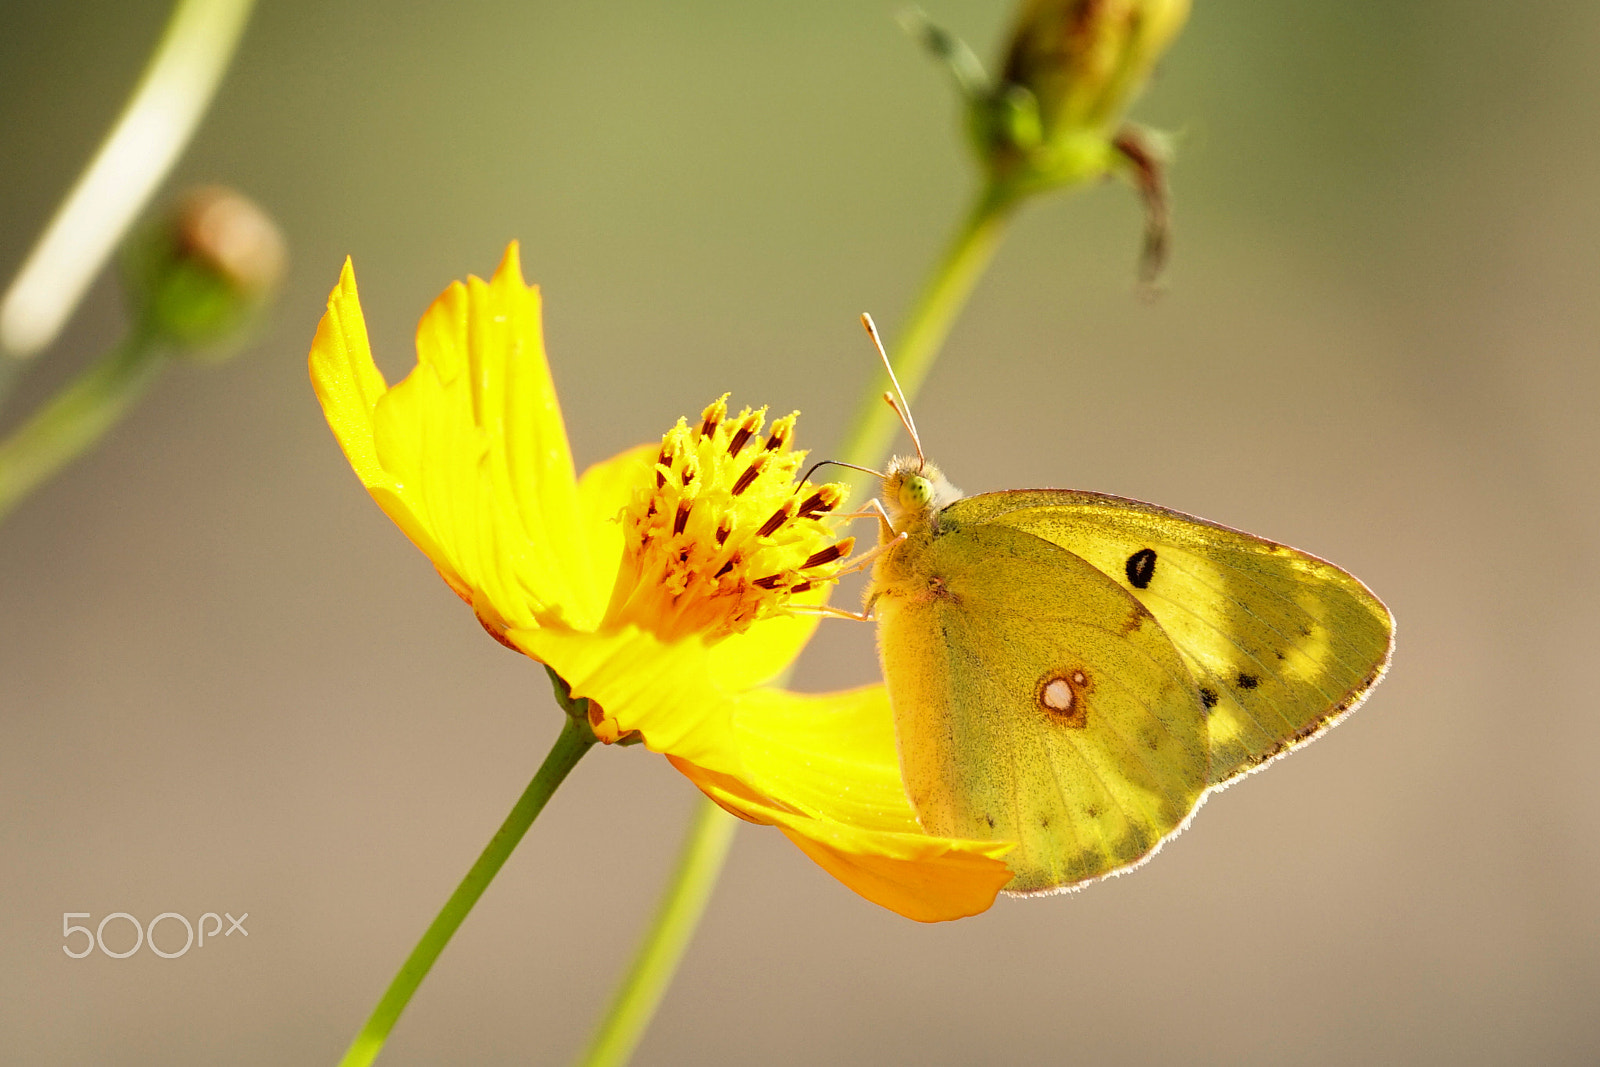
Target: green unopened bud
200,277
1055,117
1084,61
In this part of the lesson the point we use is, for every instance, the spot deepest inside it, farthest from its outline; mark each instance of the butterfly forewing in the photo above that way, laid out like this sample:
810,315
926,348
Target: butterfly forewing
1037,701
1281,644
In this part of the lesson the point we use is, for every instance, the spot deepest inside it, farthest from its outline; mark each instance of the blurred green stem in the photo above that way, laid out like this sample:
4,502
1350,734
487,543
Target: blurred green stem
576,738
867,440
867,443
78,416
160,117
699,864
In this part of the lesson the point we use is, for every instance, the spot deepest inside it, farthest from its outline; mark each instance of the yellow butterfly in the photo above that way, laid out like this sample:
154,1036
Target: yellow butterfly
1076,672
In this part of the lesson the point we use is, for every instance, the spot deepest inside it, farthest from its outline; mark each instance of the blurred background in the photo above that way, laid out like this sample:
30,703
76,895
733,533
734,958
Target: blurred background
227,683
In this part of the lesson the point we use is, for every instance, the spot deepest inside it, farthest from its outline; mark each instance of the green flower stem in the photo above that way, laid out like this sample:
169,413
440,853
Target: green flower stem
173,94
872,430
699,865
576,739
78,416
706,846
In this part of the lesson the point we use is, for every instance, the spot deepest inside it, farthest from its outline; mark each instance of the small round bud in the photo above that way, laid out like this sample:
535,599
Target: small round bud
200,276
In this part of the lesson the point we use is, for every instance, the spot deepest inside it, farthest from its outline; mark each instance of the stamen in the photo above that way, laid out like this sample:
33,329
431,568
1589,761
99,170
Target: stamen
818,503
713,415
779,517
742,437
742,537
750,475
782,430
664,459
838,550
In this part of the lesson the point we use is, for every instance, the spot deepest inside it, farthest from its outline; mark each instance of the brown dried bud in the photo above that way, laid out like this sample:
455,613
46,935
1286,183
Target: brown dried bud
201,275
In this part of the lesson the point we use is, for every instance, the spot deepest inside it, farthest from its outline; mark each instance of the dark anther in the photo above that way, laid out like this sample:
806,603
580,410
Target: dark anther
682,518
741,438
779,517
815,505
751,473
827,555
771,581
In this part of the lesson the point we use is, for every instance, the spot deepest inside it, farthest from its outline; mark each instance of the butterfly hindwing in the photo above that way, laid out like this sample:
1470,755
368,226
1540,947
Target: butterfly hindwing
1281,644
1036,700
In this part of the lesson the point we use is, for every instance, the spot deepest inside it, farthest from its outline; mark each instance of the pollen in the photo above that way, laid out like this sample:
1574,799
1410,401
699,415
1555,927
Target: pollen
721,536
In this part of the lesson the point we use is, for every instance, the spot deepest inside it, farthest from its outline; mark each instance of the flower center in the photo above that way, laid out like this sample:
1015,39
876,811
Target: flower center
723,538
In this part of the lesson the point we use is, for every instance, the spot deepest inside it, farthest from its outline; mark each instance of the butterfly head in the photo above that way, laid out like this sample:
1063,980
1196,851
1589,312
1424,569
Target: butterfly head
914,489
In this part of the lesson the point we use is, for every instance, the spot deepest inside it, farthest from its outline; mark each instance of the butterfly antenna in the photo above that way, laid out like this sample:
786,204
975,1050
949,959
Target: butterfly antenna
837,463
897,399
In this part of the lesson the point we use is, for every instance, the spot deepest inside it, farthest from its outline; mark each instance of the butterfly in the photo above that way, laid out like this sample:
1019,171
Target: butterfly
1076,672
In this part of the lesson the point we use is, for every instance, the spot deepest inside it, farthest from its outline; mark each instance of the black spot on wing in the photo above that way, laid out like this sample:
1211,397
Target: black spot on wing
1246,680
1141,567
1208,697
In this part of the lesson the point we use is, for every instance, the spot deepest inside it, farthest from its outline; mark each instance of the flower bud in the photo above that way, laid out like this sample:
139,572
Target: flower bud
1071,70
199,277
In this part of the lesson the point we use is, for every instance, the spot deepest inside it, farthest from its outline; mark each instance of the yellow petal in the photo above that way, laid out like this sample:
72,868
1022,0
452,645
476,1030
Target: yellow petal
928,879
761,652
349,385
469,453
603,491
824,770
832,753
661,689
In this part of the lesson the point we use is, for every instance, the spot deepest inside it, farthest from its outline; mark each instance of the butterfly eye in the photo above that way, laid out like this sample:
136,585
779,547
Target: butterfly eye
916,492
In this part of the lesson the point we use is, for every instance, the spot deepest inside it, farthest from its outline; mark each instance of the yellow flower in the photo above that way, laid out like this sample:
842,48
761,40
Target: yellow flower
658,585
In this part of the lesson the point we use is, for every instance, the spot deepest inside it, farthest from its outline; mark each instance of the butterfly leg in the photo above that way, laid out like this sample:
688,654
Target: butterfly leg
850,566
865,559
828,611
873,510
